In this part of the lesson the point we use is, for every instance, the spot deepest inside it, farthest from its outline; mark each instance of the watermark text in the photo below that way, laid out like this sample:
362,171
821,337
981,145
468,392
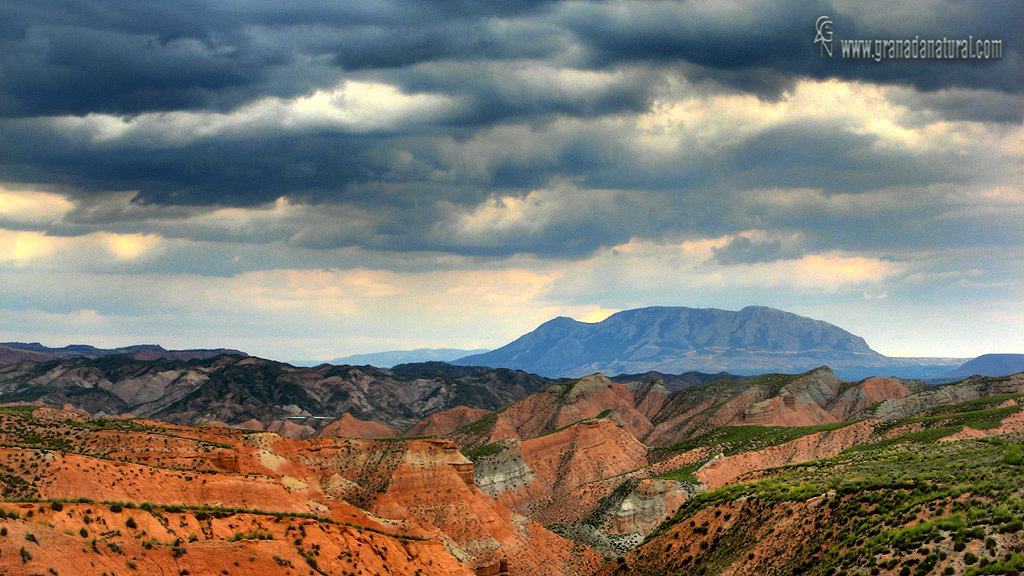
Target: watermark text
916,48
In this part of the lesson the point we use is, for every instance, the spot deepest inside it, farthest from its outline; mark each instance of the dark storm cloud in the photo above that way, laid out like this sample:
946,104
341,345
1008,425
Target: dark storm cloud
80,57
60,57
494,93
530,82
775,43
233,172
832,158
970,105
128,57
372,47
698,192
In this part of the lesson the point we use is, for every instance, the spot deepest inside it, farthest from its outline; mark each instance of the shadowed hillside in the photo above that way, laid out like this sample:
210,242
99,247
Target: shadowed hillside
235,389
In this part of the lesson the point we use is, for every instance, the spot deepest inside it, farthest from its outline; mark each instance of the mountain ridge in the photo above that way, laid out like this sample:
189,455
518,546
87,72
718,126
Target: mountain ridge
755,339
234,389
989,365
36,351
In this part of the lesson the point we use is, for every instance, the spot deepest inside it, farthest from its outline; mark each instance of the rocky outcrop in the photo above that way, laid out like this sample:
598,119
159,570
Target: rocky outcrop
445,422
970,389
675,382
815,397
647,505
92,539
10,355
506,477
435,483
627,511
540,476
561,405
350,426
421,489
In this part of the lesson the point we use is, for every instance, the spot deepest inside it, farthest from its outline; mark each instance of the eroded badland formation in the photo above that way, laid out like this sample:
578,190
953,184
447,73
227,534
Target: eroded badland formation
781,474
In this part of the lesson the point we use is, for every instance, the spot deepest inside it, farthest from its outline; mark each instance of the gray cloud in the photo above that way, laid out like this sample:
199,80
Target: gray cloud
970,105
742,250
767,41
539,92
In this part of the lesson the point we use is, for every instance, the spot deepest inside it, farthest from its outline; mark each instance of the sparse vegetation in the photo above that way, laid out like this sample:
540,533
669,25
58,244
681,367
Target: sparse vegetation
483,451
731,440
900,504
480,426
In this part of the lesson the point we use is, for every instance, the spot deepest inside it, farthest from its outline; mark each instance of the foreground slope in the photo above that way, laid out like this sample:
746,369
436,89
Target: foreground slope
605,463
133,492
940,494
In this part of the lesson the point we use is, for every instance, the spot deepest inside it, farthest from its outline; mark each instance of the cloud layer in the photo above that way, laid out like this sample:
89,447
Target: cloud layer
388,174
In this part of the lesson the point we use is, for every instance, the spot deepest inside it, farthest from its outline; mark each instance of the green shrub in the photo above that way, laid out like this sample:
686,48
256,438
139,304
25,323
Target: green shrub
256,535
1012,527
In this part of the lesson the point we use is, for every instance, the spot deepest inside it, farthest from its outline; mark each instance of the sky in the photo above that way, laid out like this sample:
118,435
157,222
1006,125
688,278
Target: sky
305,180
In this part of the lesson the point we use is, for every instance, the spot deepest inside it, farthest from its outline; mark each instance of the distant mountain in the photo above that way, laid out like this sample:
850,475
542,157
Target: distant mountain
12,352
754,340
9,355
396,357
990,365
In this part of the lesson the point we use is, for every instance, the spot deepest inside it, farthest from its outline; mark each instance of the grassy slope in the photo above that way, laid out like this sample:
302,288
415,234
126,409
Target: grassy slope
903,505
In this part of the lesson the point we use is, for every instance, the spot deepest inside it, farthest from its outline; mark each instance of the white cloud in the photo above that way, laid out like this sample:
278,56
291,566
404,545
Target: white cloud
648,271
20,248
97,250
129,246
561,203
352,106
693,121
31,207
